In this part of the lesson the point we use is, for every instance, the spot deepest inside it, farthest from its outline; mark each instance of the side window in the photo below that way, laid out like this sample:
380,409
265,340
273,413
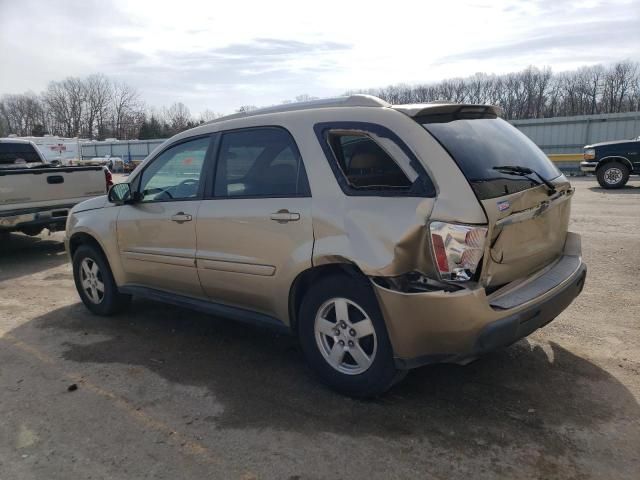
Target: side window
175,174
259,162
364,163
18,153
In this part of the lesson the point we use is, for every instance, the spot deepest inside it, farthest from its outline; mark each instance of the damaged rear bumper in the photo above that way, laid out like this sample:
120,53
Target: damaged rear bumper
432,327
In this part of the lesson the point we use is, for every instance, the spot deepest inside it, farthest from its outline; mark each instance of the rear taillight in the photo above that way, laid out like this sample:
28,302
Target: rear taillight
457,249
108,178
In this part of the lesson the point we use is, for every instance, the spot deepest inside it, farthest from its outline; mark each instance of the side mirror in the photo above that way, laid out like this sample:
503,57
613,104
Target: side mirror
120,193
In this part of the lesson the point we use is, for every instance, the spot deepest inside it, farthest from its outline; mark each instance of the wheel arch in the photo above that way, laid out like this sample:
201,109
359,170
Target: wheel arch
306,278
84,238
615,158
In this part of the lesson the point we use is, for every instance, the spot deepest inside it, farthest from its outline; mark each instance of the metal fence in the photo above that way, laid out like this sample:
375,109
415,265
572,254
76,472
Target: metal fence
128,150
570,134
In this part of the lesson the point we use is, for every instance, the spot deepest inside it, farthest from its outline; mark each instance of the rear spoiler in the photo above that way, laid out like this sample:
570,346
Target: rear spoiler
445,112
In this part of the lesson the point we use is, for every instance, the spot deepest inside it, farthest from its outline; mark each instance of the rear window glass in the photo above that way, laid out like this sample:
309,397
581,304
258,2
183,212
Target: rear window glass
480,145
18,153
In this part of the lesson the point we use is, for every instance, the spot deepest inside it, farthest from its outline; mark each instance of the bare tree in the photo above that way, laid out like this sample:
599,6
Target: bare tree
305,98
178,117
97,95
127,111
96,107
533,92
22,114
58,104
208,115
618,83
246,108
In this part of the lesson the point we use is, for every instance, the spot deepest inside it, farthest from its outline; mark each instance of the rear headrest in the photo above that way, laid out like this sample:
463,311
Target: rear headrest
280,173
365,161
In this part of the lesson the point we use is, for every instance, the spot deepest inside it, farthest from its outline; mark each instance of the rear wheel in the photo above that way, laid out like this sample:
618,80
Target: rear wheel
344,338
95,284
613,175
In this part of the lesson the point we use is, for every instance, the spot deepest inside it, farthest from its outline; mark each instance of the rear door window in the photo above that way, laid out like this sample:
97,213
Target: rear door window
259,162
480,145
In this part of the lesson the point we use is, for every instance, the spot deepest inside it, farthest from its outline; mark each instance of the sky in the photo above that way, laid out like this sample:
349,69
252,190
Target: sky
222,55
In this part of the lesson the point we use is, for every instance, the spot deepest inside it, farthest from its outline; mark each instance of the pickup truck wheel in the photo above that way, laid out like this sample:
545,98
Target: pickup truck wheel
613,175
95,284
344,338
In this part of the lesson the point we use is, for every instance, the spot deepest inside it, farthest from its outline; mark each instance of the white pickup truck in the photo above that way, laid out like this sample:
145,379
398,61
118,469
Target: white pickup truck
35,194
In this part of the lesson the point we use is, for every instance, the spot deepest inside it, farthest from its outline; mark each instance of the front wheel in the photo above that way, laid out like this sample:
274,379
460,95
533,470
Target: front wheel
95,284
613,175
344,337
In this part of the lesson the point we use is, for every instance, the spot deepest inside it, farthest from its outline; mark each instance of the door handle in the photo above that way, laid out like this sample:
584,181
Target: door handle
54,179
181,217
284,216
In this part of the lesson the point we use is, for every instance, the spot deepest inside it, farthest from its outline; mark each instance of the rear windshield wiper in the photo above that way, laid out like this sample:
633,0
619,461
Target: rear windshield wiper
525,172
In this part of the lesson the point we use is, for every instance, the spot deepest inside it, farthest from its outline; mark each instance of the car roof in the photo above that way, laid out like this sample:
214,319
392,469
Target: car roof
15,140
360,100
350,101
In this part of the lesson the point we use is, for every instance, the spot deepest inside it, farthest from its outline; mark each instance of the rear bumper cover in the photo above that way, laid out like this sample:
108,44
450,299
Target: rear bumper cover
437,327
43,216
506,331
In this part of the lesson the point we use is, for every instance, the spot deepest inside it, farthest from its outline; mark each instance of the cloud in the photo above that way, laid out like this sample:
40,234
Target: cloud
219,55
259,65
602,36
276,47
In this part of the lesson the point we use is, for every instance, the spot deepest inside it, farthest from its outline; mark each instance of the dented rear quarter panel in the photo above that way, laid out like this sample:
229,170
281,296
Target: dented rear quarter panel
382,235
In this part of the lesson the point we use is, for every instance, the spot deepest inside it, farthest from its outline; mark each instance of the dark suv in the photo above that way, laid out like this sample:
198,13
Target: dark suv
612,162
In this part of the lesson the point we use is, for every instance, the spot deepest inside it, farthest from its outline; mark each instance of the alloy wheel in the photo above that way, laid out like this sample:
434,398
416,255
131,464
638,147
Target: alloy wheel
345,336
91,280
613,175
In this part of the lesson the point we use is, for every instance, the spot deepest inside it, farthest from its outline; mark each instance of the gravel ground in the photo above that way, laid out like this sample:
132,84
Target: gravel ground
167,393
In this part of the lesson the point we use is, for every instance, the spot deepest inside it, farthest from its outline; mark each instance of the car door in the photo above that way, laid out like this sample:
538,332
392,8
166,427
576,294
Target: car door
254,230
157,233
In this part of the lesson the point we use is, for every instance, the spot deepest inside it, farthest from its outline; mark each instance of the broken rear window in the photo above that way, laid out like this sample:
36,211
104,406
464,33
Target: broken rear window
364,163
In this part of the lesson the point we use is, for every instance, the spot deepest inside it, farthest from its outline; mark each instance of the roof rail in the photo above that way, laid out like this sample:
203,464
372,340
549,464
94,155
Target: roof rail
350,101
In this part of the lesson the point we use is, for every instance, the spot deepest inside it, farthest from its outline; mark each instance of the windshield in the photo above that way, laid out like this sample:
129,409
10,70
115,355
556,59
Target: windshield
480,145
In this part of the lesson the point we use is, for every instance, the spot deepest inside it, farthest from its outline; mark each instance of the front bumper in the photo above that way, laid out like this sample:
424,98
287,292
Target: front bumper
457,326
588,167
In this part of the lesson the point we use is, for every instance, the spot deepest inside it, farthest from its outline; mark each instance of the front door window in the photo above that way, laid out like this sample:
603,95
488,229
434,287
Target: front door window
175,174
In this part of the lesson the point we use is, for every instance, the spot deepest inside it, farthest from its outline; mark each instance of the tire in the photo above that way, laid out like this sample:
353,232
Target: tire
91,272
613,175
374,373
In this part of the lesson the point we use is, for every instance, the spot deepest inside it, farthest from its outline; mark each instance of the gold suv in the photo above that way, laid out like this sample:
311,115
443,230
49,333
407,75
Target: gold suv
384,236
